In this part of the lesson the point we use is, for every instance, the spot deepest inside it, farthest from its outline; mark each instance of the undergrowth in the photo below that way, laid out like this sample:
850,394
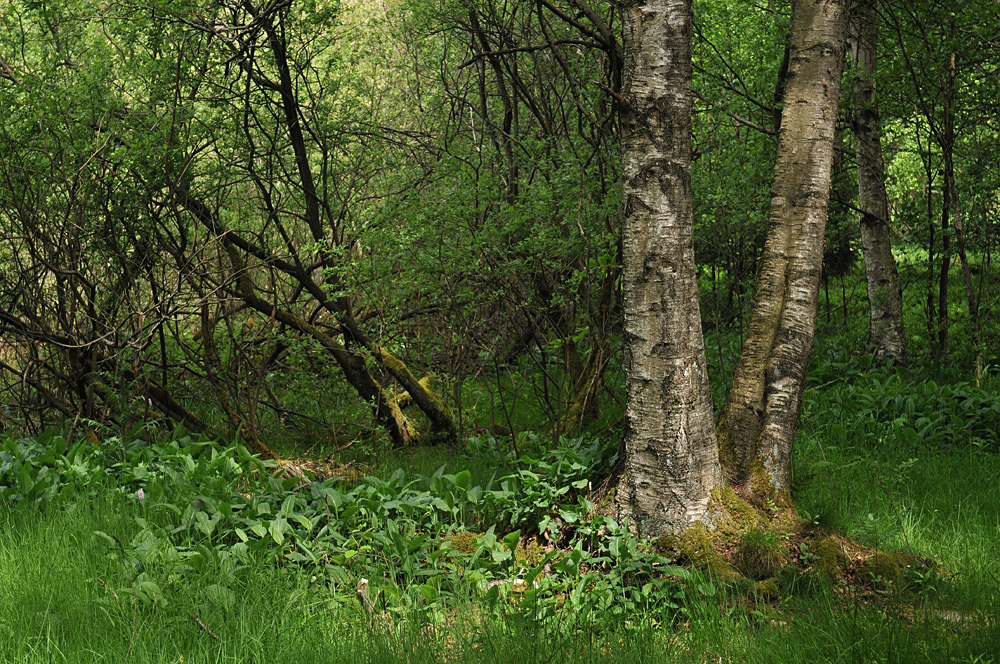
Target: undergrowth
140,550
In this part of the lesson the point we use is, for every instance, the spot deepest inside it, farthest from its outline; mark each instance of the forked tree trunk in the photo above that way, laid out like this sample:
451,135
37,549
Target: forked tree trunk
670,455
886,334
758,424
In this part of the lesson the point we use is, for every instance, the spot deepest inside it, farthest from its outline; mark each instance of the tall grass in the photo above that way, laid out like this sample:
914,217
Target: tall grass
66,596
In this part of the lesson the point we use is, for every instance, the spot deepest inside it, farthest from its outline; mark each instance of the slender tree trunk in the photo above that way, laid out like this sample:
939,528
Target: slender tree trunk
943,319
951,185
758,426
886,335
925,158
670,454
970,292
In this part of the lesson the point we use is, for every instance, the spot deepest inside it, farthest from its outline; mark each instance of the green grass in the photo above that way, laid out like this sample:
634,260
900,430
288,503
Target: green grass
66,596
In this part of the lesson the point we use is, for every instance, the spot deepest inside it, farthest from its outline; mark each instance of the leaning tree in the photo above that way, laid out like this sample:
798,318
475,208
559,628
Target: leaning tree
671,461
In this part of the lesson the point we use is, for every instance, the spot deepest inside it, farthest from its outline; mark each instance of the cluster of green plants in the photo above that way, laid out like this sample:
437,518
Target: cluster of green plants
883,406
141,541
425,543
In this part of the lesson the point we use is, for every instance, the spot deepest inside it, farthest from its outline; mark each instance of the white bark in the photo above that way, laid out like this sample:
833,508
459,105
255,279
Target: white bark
762,409
671,457
886,332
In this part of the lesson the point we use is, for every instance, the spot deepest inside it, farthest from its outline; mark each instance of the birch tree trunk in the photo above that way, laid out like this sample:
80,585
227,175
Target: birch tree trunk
886,335
670,453
758,424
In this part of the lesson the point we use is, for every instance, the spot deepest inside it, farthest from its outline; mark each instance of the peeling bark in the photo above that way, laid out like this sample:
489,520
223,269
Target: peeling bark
758,424
670,454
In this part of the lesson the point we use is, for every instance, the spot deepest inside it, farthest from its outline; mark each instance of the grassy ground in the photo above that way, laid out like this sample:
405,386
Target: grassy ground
65,595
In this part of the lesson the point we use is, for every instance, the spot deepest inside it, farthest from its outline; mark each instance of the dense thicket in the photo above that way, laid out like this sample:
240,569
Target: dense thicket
315,218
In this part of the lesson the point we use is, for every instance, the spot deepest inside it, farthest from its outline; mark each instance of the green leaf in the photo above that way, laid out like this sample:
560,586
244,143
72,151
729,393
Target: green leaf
304,521
288,506
103,535
429,592
220,596
475,494
277,529
463,480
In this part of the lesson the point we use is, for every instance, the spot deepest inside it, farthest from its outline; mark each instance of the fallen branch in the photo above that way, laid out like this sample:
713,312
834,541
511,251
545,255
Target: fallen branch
204,627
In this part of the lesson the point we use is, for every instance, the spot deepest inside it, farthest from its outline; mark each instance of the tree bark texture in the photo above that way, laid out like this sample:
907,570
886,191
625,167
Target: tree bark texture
758,425
670,453
886,335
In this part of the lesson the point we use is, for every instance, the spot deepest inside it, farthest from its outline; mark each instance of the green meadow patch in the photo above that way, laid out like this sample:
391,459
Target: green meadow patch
185,549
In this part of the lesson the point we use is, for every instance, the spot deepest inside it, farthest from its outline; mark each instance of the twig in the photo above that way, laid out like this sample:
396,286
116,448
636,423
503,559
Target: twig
734,116
344,447
202,625
105,586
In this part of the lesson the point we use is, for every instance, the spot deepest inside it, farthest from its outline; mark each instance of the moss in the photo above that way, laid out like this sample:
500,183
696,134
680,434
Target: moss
398,368
787,522
760,484
727,447
405,399
887,567
761,489
529,552
695,544
740,516
783,499
769,588
466,543
831,558
668,546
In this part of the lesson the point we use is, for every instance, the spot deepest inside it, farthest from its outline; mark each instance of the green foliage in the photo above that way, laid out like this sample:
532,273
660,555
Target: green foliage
539,484
760,554
39,469
194,508
518,561
882,407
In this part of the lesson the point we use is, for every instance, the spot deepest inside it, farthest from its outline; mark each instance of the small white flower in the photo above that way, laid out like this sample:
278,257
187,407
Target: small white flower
140,494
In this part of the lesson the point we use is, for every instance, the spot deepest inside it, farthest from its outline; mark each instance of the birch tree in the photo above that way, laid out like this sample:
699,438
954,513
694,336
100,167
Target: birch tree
886,333
671,457
758,426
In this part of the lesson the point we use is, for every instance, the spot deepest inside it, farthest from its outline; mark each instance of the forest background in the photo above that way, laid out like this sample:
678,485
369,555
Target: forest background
300,295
